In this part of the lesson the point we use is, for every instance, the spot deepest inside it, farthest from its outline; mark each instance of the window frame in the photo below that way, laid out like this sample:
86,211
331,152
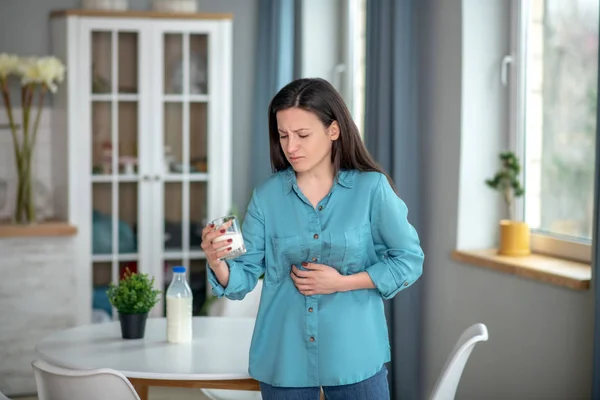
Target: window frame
540,242
357,64
345,70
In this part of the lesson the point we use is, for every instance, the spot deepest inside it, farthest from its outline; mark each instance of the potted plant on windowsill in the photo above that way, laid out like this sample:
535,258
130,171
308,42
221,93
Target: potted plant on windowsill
133,297
514,235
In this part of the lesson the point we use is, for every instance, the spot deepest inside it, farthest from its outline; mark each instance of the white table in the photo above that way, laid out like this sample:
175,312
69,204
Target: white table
217,358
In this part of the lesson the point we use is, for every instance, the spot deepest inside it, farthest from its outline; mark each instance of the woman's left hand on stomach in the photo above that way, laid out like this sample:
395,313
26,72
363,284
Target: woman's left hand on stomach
316,279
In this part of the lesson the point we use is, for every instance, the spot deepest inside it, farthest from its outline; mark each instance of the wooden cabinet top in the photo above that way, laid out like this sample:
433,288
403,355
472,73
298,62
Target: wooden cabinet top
136,14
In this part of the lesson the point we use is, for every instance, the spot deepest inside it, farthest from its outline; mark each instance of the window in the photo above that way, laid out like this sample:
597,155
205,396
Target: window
358,34
554,120
332,46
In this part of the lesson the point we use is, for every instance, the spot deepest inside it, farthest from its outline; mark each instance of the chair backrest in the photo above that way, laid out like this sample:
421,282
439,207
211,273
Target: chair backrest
56,383
447,383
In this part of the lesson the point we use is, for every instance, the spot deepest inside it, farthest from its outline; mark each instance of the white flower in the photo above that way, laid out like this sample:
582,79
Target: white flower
29,71
9,64
45,70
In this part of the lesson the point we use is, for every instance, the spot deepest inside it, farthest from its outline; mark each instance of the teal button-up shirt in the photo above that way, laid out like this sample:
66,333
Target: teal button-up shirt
322,340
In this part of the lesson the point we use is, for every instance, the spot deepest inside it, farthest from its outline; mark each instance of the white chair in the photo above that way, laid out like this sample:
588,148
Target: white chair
447,383
56,383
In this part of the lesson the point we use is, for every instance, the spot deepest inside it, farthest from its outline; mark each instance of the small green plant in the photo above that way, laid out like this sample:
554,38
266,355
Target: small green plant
134,294
506,180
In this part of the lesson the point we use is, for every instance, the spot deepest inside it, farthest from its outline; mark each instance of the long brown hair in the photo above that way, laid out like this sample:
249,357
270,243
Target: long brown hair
318,96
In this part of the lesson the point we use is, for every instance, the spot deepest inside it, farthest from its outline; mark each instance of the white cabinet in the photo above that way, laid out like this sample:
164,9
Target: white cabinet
146,116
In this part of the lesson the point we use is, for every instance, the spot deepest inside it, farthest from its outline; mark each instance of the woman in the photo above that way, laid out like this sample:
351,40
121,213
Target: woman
332,239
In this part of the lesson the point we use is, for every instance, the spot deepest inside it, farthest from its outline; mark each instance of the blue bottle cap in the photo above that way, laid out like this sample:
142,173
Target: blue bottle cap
179,269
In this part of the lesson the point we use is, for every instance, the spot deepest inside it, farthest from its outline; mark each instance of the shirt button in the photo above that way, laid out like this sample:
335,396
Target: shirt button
312,339
316,236
320,208
310,309
405,283
314,259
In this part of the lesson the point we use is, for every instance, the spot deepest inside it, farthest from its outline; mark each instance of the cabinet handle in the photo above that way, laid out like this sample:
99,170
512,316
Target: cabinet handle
146,177
156,177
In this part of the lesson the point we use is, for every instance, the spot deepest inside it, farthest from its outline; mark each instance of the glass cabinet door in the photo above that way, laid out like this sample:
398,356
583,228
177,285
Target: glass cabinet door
115,113
185,101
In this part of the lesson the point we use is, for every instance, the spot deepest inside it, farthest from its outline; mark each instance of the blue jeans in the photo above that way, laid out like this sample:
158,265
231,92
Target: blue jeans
373,388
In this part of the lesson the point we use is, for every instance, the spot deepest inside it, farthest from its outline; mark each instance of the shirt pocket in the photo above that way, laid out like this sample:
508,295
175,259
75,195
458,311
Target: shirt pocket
349,249
286,252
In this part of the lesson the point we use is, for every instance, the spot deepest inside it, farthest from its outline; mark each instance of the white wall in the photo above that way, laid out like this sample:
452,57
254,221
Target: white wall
540,335
38,280
484,119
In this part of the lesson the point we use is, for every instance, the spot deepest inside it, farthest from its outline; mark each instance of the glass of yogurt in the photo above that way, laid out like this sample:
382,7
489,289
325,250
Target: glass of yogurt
233,232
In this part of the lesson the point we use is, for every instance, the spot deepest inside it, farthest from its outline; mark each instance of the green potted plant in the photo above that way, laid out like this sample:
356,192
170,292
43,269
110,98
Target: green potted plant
133,297
514,235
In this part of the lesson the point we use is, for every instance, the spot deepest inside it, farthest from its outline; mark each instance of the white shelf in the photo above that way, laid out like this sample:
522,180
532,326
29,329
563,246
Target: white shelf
119,257
115,178
171,255
114,97
191,177
181,98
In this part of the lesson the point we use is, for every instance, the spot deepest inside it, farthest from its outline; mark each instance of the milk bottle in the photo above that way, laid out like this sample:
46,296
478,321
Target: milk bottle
179,308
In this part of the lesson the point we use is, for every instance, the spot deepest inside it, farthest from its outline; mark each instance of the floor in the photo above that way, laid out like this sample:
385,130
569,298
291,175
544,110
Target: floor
158,393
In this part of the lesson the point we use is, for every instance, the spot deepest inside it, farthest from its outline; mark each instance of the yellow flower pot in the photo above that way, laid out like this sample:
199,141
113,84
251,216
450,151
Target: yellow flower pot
514,238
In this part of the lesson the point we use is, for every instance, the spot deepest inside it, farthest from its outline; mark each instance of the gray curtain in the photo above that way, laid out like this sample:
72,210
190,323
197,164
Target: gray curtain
596,272
596,259
392,137
274,69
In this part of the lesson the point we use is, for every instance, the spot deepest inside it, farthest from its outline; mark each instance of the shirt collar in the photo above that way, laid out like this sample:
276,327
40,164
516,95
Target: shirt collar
345,178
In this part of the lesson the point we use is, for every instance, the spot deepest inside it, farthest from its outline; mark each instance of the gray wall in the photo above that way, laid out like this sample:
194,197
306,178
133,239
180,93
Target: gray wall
540,335
24,29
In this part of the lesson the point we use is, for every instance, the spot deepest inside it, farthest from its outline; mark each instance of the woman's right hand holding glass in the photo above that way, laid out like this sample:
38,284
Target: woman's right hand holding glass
215,249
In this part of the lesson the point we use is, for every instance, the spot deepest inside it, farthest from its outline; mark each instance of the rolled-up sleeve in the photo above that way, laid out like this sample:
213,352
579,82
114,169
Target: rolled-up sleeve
396,243
245,270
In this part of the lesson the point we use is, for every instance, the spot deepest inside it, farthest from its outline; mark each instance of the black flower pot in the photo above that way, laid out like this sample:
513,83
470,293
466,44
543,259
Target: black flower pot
133,326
